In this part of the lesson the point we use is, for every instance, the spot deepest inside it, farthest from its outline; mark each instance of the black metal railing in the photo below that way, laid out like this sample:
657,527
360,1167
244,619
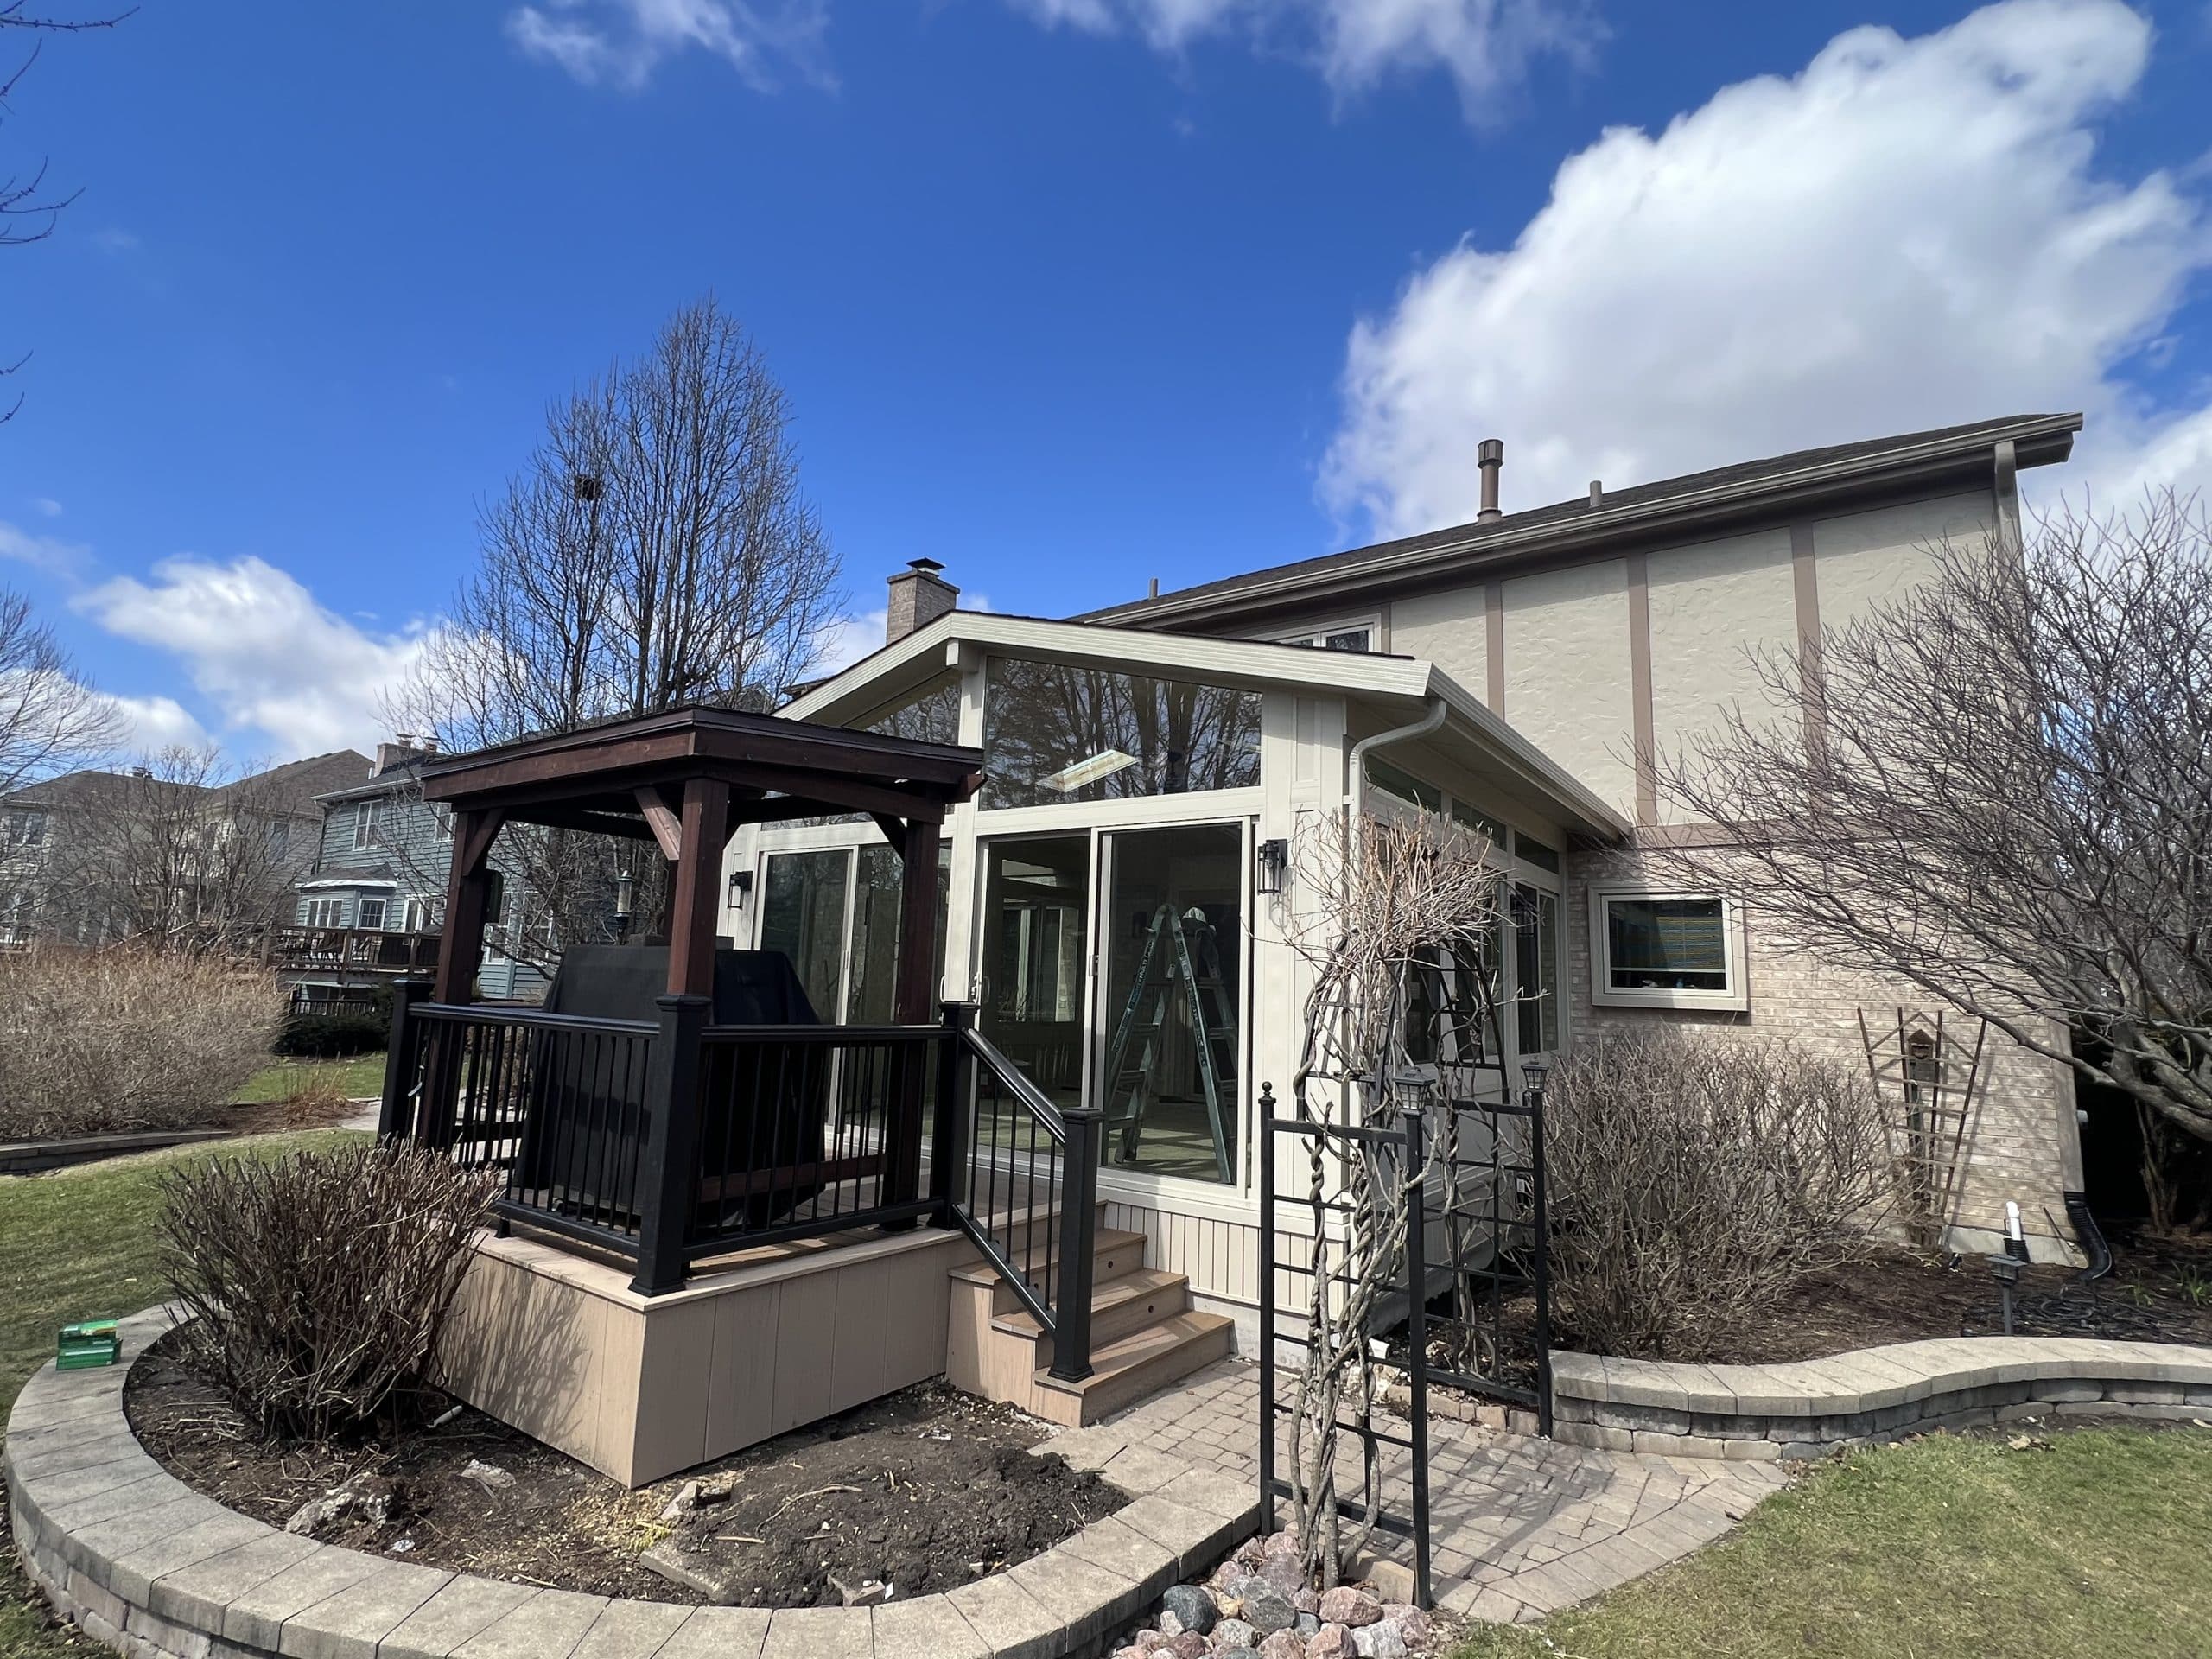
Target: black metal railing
786,1131
1031,1196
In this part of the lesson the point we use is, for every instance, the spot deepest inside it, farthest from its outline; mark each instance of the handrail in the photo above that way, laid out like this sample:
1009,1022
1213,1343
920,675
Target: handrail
1059,1298
788,1033
1009,1075
492,1011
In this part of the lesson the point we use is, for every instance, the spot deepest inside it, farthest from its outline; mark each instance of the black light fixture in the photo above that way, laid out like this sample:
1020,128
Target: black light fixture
625,894
2006,1267
1274,865
741,889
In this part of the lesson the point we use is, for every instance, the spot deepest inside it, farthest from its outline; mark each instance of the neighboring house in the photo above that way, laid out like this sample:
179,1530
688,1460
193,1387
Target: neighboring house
92,857
371,897
1513,676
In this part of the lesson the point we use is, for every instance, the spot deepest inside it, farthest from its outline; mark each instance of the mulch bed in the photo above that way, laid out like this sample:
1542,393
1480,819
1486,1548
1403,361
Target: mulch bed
925,1489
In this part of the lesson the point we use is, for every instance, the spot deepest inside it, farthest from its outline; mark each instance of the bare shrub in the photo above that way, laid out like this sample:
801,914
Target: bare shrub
317,1284
1693,1178
97,1041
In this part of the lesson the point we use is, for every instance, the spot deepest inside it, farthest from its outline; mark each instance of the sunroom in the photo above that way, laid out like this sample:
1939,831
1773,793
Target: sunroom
1121,901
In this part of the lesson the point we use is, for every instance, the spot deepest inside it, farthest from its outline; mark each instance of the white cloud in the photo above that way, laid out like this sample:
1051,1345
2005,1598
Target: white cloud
1910,232
151,724
47,505
47,553
261,649
621,43
115,239
1485,45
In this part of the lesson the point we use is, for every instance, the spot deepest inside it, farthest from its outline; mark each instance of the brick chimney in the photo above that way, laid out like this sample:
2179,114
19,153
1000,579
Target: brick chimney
395,754
918,597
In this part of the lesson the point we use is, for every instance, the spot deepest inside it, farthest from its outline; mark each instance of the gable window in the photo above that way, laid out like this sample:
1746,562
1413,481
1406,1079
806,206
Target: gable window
368,825
1337,636
1667,950
22,828
1057,734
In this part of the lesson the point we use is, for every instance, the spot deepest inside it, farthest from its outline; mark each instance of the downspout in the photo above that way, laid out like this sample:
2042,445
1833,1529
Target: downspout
1422,728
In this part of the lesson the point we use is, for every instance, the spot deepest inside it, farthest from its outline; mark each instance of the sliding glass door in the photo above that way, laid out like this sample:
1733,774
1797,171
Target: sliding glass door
1036,957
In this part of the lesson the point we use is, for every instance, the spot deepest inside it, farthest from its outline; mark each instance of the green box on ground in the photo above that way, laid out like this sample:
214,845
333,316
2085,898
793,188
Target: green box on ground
82,1346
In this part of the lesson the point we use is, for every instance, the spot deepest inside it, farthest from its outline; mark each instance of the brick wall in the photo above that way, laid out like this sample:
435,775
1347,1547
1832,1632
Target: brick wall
2022,1139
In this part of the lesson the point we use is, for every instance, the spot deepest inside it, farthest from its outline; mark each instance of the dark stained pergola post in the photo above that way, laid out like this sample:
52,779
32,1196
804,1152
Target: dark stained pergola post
461,952
914,1002
696,902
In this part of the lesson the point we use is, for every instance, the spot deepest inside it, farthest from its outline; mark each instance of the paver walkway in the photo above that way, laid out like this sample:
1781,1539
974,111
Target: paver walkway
1519,1527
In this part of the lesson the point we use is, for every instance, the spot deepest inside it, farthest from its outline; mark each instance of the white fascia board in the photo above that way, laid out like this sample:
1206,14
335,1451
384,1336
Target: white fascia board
1583,807
346,882
1254,664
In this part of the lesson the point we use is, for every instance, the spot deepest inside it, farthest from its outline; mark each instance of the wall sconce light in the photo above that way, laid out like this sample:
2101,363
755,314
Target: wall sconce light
1274,865
741,889
625,895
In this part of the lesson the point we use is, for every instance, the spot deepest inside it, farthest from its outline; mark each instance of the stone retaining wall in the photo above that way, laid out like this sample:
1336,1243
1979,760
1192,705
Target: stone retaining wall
155,1570
1808,1409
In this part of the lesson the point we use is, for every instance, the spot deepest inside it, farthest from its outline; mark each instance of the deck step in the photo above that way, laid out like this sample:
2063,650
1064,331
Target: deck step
1124,1372
1118,1308
1115,1251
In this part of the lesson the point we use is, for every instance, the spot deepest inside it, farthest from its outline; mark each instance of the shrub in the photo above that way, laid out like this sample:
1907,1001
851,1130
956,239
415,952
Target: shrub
317,1284
330,1036
1693,1178
94,1041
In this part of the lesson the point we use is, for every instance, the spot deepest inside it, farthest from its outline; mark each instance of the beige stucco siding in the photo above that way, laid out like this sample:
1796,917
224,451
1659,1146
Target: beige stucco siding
1869,556
1449,629
1567,672
1710,604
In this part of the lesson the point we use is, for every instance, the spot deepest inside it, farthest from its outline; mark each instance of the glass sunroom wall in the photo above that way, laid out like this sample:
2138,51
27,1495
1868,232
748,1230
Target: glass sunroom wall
1055,733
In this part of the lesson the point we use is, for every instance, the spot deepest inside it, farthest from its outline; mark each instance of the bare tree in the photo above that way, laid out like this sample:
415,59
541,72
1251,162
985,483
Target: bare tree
29,208
1399,898
180,853
50,719
656,550
2000,792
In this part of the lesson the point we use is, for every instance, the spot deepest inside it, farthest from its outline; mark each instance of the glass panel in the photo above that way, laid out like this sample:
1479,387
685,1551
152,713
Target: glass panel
1350,640
372,913
803,917
1481,822
875,950
931,715
1535,851
1535,964
1394,781
1171,1015
1666,945
1055,733
1035,936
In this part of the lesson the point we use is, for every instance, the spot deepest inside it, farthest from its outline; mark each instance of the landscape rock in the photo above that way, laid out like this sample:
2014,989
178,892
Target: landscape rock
1282,1644
360,1493
863,1593
1379,1641
680,1505
1267,1610
1190,1607
1304,1600
1170,1625
1330,1642
1284,1572
1234,1635
1307,1624
1346,1605
1391,1580
1149,1641
1189,1645
1418,1629
490,1476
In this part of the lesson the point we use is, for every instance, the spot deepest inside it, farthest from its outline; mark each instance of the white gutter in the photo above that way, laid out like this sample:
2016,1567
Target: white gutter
1429,722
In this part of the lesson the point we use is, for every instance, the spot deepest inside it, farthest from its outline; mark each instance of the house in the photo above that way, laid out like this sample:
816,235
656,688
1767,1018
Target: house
1081,835
369,899
1147,764
93,856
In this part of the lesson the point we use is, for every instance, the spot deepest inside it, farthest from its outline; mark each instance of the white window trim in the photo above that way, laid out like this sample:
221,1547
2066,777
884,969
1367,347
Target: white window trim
1735,998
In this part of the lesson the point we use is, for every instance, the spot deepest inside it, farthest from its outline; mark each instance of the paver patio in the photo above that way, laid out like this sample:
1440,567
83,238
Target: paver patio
1519,1527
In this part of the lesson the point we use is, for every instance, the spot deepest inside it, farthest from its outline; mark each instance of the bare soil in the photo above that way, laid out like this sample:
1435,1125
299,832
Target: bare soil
926,1488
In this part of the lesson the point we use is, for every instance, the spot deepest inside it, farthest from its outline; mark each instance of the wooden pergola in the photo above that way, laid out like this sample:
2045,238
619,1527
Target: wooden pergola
686,780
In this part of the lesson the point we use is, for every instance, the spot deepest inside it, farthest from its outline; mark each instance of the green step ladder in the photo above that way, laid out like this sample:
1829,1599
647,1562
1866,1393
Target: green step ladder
1181,956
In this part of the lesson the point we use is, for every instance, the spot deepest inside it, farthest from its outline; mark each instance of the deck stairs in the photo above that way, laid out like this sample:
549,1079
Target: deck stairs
1144,1332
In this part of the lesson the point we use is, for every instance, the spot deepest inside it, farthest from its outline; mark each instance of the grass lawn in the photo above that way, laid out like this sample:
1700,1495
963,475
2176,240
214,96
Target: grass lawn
2099,1543
355,1078
80,1244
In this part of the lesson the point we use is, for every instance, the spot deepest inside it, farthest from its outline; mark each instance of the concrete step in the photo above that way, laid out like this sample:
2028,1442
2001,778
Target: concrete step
1119,1308
1124,1372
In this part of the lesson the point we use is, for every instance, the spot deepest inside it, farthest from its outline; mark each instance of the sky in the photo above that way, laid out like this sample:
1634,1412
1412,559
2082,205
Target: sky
1067,295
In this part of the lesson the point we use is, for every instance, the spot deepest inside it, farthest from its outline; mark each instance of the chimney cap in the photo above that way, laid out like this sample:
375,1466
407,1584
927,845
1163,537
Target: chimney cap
928,567
1491,452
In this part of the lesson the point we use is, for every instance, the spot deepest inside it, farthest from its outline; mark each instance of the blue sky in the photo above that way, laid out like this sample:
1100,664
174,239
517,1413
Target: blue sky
1067,294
